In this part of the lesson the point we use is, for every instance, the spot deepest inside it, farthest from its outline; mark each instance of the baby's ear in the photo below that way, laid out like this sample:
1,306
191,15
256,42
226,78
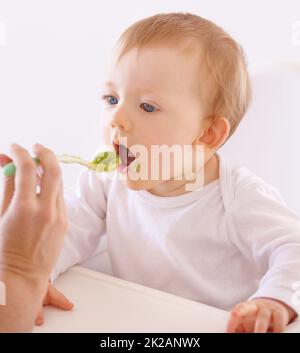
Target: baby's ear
215,133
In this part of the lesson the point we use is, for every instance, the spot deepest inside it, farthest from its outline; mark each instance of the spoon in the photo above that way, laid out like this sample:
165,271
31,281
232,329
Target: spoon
106,161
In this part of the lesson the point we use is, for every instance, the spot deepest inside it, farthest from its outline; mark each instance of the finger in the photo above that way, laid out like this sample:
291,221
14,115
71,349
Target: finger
249,323
263,319
40,318
25,179
57,299
234,322
279,321
51,177
4,159
240,329
238,314
60,203
9,185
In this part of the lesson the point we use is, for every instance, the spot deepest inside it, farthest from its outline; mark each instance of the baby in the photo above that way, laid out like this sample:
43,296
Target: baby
231,242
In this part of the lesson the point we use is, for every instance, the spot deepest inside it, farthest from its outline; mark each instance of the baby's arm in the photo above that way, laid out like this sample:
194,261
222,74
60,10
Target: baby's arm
267,232
86,216
87,221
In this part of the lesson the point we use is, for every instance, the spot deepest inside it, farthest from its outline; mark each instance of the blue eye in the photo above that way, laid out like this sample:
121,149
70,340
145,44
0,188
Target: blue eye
148,107
112,100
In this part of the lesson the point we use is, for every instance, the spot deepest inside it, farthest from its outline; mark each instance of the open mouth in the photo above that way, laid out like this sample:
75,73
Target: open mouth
126,156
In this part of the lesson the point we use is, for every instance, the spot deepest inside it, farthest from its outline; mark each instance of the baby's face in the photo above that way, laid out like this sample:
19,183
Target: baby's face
153,99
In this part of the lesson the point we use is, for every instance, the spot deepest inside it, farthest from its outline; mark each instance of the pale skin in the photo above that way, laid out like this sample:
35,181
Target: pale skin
30,224
160,78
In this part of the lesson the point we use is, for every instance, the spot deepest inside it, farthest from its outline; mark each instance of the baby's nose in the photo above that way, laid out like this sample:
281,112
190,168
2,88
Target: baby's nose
121,122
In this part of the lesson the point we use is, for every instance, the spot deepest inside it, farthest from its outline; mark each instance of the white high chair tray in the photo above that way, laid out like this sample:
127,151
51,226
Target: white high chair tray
103,303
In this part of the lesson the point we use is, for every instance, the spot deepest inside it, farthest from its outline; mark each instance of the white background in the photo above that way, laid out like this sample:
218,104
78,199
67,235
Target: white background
53,58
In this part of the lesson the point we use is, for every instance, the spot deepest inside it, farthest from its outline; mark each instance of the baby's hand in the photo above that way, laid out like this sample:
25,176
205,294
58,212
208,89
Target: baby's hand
260,315
54,298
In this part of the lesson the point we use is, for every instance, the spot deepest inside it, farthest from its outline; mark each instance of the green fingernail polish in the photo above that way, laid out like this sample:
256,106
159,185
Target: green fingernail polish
37,161
10,169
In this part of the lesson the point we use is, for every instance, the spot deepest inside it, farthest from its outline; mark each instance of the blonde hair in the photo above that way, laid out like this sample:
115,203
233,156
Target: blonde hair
223,57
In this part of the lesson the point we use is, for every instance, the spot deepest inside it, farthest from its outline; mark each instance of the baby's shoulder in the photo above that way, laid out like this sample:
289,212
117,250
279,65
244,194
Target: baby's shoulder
245,186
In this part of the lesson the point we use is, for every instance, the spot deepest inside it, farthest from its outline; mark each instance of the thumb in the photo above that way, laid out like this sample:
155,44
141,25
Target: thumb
40,318
57,299
9,185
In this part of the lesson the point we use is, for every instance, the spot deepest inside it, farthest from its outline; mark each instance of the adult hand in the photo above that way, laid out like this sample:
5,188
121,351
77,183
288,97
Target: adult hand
32,229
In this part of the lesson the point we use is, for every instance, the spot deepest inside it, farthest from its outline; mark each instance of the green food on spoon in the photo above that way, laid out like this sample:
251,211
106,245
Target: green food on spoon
107,161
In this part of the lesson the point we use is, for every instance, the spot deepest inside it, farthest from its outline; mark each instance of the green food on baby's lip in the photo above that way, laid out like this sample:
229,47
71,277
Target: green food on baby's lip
106,161
137,167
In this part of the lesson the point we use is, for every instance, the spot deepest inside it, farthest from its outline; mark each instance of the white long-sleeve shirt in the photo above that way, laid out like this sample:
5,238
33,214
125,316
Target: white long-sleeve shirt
232,240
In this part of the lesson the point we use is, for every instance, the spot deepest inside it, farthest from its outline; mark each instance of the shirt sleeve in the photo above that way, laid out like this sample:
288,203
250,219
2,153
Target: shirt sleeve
267,232
86,208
